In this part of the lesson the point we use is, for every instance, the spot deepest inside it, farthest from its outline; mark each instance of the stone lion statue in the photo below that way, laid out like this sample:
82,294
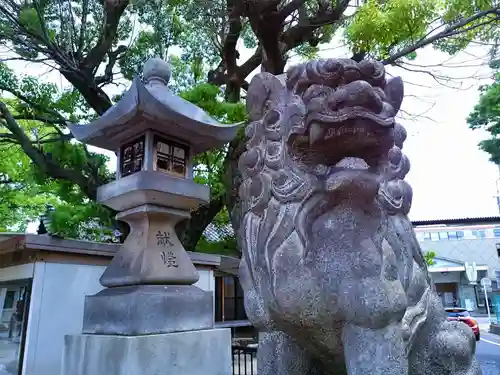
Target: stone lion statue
333,275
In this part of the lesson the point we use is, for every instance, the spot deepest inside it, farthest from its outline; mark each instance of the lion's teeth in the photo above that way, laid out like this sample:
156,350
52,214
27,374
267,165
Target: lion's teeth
316,133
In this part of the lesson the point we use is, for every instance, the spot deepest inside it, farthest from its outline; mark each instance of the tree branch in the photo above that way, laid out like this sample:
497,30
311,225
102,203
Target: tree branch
289,8
219,76
58,118
45,164
267,26
449,31
83,28
108,71
229,51
251,64
41,118
113,10
303,31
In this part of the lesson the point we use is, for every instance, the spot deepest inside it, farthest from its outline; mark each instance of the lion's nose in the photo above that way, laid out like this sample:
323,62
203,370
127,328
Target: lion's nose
356,94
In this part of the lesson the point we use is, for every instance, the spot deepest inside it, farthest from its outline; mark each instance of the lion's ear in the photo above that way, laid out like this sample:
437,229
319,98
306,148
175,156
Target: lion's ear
394,90
263,91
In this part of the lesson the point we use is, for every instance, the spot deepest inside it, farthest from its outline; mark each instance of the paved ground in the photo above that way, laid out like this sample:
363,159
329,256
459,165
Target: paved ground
488,349
8,357
488,353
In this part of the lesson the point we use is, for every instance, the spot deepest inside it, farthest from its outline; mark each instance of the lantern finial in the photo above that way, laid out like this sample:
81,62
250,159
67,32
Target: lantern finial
156,69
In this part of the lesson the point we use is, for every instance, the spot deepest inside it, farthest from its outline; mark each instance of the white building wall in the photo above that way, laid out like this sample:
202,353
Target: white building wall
445,277
481,251
56,310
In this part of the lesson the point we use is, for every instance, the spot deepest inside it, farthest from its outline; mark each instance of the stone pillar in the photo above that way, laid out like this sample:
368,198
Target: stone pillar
150,319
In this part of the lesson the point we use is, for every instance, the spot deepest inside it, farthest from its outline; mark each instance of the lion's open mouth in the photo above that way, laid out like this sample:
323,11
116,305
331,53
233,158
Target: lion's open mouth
355,144
354,120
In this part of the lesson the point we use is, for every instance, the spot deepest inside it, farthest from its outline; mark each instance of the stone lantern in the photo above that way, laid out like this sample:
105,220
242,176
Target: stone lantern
150,290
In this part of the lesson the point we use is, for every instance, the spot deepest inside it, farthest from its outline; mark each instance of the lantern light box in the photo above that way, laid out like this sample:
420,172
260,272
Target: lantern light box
167,156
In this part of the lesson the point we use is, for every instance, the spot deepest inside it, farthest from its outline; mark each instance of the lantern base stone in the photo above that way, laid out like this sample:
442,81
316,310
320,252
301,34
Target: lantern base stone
148,310
194,353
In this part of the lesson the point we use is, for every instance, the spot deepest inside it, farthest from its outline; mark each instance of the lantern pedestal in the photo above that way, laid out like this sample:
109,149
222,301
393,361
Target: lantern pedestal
182,353
147,310
152,252
150,279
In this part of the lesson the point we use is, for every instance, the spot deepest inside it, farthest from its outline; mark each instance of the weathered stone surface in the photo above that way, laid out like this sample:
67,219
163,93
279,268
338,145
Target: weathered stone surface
147,187
152,252
148,309
332,272
186,353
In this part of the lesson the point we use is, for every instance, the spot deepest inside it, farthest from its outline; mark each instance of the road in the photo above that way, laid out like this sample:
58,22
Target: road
488,349
488,353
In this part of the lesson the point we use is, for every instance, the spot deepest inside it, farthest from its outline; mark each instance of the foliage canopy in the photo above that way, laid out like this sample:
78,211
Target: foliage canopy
95,44
486,115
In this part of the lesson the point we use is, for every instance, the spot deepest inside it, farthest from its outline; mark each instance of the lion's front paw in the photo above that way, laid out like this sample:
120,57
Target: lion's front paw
453,345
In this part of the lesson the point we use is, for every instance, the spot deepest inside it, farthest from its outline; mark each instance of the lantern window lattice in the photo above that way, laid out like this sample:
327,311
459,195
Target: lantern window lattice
132,156
171,157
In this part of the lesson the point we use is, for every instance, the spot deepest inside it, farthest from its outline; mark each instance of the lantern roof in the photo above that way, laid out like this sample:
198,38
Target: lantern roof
150,105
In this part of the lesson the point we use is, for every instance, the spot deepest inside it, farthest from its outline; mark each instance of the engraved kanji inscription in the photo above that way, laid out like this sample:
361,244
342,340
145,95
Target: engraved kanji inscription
169,259
163,239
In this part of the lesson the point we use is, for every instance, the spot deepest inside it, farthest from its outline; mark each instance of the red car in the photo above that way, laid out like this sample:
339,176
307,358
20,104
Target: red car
458,313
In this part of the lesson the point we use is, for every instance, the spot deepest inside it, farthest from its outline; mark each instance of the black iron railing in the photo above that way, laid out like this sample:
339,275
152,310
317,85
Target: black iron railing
244,360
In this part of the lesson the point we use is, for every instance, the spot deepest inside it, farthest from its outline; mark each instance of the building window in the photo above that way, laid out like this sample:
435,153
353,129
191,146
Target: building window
455,235
443,235
479,233
229,294
171,158
427,236
496,232
9,299
434,236
132,157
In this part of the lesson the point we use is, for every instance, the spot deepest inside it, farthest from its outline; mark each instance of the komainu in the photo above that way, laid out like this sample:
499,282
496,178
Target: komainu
333,275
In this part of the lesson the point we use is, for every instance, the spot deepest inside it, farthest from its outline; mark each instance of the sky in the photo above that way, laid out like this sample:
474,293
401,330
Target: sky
450,176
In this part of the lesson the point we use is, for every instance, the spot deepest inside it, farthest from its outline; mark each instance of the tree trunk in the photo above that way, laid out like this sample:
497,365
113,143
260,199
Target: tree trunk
233,180
93,95
232,175
190,231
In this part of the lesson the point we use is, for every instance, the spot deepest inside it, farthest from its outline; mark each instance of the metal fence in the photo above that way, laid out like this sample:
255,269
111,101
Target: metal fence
244,360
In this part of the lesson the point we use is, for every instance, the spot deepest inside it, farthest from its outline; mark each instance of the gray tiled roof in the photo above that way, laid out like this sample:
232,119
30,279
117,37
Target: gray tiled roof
216,233
455,221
